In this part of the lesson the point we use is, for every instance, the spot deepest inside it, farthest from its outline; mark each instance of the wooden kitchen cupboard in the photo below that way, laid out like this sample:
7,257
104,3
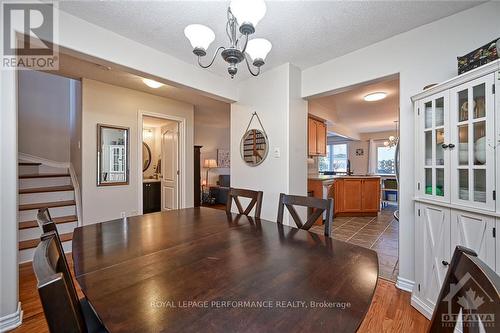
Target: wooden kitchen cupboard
316,131
357,196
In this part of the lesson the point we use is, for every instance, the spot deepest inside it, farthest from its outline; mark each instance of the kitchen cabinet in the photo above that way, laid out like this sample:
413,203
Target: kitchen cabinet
316,137
357,196
151,197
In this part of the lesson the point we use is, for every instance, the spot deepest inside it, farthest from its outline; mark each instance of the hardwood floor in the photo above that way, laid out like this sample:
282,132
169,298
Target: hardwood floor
390,310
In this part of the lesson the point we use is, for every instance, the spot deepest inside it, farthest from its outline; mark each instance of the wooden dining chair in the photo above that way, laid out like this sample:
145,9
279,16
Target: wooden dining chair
471,290
63,310
319,206
255,196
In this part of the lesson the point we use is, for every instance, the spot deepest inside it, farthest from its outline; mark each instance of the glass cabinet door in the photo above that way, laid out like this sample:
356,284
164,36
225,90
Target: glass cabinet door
435,158
472,143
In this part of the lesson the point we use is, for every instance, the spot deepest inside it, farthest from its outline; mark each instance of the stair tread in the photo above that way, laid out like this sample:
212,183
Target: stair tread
31,243
61,188
39,205
43,175
29,163
57,220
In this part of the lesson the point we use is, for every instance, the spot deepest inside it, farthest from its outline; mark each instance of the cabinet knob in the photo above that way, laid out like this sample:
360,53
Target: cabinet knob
445,263
451,146
444,146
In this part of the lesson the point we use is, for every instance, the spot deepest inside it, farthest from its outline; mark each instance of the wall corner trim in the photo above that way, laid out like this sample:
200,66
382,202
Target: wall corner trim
13,320
405,284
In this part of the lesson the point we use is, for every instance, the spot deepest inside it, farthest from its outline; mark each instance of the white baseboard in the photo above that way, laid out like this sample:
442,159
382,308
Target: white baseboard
421,307
11,321
36,159
405,284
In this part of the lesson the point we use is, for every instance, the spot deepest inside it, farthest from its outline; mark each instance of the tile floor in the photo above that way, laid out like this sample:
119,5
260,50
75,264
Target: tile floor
378,233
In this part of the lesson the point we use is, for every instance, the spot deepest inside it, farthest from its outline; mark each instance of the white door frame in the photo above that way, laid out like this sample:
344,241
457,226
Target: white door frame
182,154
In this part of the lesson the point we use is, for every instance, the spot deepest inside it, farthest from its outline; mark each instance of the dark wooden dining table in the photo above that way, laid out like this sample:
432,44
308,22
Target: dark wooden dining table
200,269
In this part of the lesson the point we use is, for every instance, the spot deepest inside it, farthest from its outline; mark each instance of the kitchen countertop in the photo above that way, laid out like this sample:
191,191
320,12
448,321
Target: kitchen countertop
333,177
151,180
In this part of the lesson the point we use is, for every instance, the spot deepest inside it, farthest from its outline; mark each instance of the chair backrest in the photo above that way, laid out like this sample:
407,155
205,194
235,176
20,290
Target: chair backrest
56,289
319,206
469,297
45,221
255,196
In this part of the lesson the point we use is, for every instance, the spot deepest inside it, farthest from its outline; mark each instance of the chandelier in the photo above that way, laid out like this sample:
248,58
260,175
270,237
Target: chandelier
393,141
242,18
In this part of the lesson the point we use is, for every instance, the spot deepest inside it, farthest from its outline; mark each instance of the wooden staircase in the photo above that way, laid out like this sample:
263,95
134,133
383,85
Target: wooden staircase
43,186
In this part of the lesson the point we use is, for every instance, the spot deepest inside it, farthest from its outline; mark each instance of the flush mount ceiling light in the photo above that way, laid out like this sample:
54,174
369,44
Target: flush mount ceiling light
152,83
242,16
377,96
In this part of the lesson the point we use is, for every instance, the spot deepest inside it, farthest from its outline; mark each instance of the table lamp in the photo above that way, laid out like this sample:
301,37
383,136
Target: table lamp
209,163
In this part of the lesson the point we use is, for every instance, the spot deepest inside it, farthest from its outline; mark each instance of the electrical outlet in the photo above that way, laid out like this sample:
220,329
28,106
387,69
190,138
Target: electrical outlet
123,214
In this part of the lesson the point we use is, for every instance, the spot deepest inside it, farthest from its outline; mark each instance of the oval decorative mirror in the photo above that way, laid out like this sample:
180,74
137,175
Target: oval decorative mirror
254,147
146,156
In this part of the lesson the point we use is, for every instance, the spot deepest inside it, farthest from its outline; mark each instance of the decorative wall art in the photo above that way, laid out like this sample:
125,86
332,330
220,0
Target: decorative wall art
223,158
254,144
360,152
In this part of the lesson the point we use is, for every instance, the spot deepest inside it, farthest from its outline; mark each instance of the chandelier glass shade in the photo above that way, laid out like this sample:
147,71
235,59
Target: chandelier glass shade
242,18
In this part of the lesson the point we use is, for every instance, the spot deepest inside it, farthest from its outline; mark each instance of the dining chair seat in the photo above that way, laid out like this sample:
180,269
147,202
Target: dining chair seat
319,207
255,200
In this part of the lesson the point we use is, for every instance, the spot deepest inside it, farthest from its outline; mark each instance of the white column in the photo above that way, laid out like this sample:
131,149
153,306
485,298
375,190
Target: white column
10,308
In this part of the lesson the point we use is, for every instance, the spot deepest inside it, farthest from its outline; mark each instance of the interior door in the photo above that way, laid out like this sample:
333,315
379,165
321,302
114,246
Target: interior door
475,232
434,224
170,166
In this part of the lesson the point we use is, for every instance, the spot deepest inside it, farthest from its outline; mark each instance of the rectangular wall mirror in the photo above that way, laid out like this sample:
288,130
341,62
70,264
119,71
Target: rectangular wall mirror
112,155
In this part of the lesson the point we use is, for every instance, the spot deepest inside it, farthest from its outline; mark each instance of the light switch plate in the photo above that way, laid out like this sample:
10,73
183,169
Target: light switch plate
277,152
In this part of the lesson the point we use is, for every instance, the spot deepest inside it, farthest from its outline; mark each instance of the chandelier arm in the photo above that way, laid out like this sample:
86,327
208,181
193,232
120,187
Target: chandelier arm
213,59
245,46
250,70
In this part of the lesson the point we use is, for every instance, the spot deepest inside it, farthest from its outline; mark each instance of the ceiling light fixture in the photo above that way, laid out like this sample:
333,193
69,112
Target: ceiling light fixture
377,96
152,83
242,16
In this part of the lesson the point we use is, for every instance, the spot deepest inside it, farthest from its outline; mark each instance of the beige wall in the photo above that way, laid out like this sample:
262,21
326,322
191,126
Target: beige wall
107,104
211,130
43,115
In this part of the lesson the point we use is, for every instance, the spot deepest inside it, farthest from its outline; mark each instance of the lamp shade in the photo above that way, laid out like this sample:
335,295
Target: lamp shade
210,163
258,48
200,36
248,11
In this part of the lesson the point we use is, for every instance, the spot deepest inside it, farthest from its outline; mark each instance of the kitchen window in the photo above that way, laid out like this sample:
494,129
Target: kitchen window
335,159
385,160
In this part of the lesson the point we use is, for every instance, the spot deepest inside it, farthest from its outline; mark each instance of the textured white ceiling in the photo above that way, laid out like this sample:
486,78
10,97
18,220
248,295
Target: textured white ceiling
305,33
74,67
349,108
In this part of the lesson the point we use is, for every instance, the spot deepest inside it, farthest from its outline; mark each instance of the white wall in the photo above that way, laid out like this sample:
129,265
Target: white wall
75,128
211,130
421,56
44,112
274,96
107,104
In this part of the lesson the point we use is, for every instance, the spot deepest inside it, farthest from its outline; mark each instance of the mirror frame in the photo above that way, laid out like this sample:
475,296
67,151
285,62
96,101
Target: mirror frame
266,152
100,127
144,168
